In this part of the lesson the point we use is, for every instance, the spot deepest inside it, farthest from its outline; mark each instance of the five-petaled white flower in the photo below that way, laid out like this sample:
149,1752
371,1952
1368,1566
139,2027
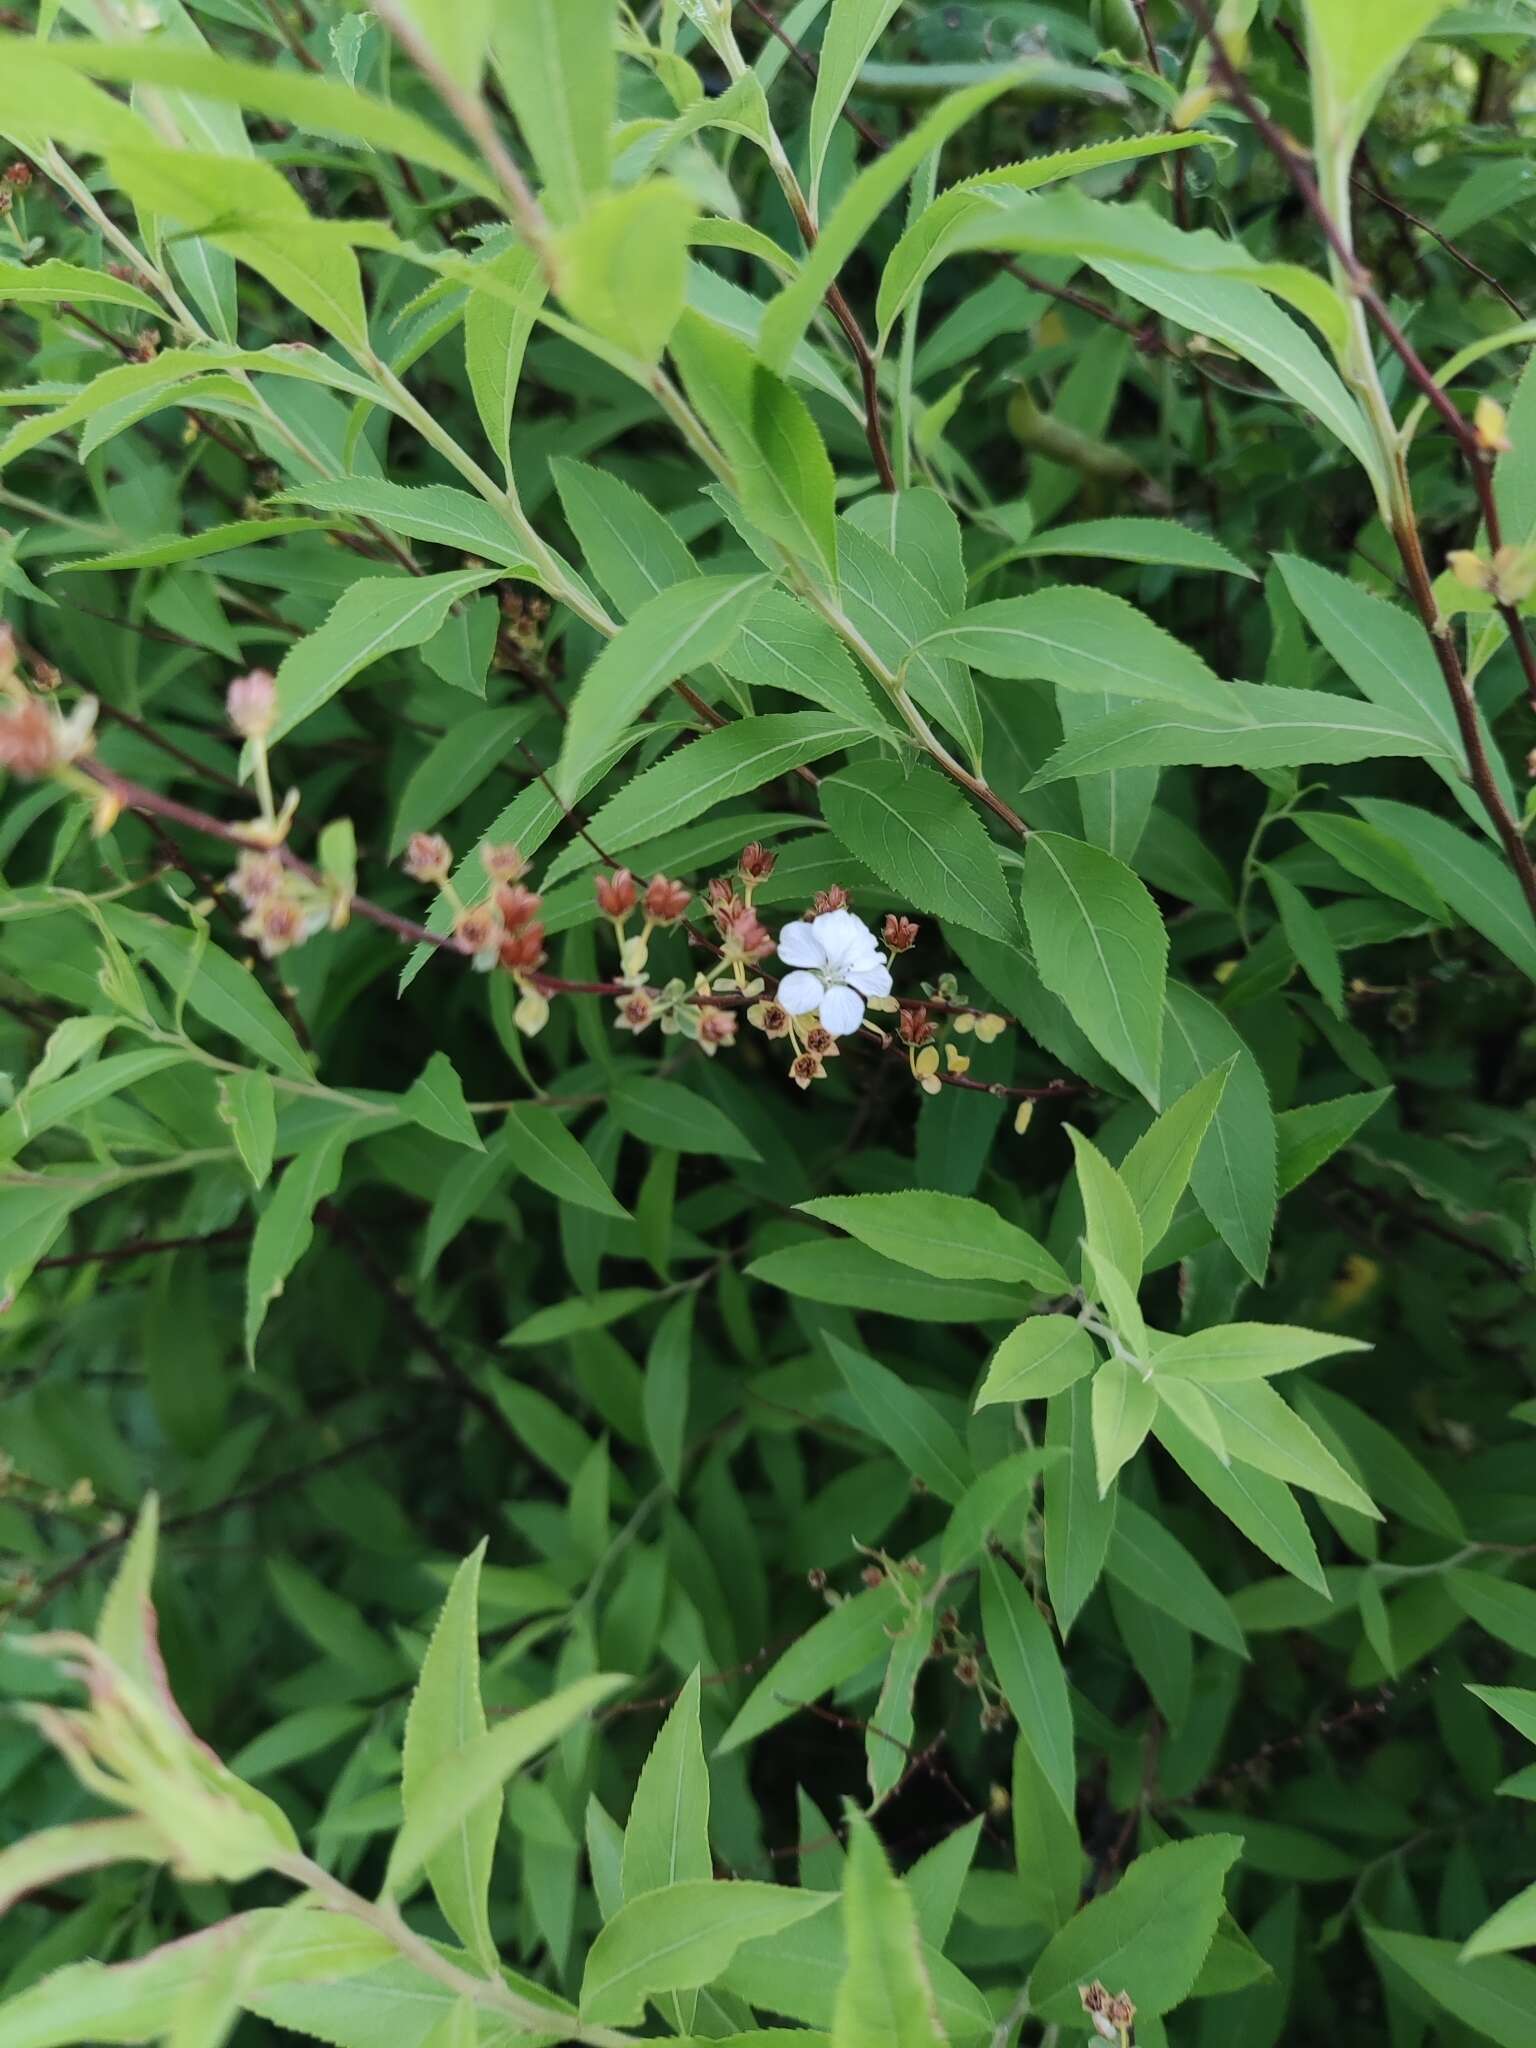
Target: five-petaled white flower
837,964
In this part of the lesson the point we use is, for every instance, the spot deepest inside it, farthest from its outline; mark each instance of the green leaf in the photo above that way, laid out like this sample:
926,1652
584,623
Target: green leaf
1085,639
1148,1558
1234,1175
919,835
846,1638
665,1397
1157,1168
666,1840
679,629
39,1860
1493,1995
1311,1135
444,1717
1078,1520
1308,938
435,1099
461,1780
451,770
248,1104
783,645
1124,1403
856,1276
373,617
1353,53
1043,1356
785,483
921,530
1048,1856
556,62
1249,1351
51,280
496,330
431,512
1263,1508
995,1495
1138,540
902,1417
1474,880
895,613
950,1236
573,1318
1387,1467
1029,1670
679,1938
629,547
1112,1228
61,1101
852,31
745,755
1504,1609
1514,1704
1261,726
665,1114
885,1999
799,1973
1259,1427
1100,946
286,1226
1148,1937
1374,857
1513,1926
624,265
540,1146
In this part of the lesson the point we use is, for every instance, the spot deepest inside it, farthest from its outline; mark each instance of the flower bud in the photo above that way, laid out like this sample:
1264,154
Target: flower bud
745,939
617,894
899,933
477,928
636,1012
524,951
717,1028
1491,425
757,863
665,902
1469,568
913,1027
503,863
517,905
835,898
250,703
428,857
19,174
29,740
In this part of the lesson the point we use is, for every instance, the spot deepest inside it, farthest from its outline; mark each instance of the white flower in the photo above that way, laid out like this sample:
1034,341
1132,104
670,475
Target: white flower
837,963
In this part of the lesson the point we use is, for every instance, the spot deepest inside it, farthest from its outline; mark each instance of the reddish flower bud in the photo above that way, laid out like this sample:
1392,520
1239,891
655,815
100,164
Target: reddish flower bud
19,174
250,703
717,1028
835,898
477,928
757,863
255,877
665,902
29,740
276,924
899,933
617,894
745,938
146,344
517,905
872,1575
723,901
524,950
428,857
503,863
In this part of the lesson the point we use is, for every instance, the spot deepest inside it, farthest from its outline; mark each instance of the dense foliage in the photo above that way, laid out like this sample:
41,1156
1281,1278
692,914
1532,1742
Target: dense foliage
765,986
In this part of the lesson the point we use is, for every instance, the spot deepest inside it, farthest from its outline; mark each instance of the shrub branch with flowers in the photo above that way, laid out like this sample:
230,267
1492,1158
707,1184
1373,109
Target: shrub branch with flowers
766,1168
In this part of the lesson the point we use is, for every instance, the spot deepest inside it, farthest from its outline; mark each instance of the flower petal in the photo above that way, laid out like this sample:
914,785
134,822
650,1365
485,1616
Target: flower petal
800,945
874,980
840,934
800,992
842,1011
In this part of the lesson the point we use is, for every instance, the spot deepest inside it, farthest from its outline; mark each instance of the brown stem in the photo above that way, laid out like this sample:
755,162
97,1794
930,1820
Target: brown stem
144,1248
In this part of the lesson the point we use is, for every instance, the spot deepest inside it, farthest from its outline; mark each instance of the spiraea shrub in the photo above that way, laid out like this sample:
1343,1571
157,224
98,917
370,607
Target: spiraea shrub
766,1032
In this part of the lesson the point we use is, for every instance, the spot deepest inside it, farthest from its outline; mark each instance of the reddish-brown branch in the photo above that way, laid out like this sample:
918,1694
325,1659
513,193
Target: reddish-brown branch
143,1248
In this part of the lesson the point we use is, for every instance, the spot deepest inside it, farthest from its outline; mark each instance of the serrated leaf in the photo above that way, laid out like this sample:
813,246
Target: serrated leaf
1249,1351
1124,1403
902,1417
885,1999
1041,1357
1262,1507
1078,1520
248,1104
1474,880
556,62
1156,1170
540,1146
951,1236
435,1099
1234,1175
847,1638
624,265
286,1226
679,1938
1494,1995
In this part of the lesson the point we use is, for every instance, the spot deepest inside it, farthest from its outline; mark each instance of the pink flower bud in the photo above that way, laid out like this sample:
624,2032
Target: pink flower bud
428,857
250,703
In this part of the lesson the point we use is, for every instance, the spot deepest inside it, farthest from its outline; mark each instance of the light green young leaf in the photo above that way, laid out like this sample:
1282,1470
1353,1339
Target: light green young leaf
457,32
52,280
1112,1228
888,1738
1260,1427
953,1237
1504,1609
1513,1926
852,31
680,1938
905,1419
556,63
248,1104
1263,1508
666,1839
1156,1170
375,616
496,330
61,1101
286,1226
1249,1351
34,1862
1148,1937
1474,880
1043,1356
435,1099
783,645
895,612
1099,944
846,1638
1078,1521
994,1497
885,1999
1085,639
921,837
460,1781
445,1715
1124,1403
438,513
1493,1995
624,265
852,1275
1354,50
1029,1670
679,629
125,1625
